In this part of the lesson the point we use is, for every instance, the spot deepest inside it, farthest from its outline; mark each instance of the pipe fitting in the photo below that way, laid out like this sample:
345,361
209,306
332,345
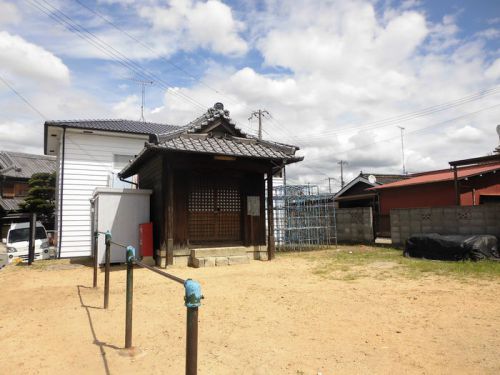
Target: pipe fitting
108,237
193,294
130,254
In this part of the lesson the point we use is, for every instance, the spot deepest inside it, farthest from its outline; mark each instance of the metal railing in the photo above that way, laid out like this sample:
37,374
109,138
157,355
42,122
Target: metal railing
192,297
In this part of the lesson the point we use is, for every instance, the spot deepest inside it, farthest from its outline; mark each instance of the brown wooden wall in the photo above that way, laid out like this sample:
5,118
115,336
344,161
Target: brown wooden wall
150,177
253,184
175,170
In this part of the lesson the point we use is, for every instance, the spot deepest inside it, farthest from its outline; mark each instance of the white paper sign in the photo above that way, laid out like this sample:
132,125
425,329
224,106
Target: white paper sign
253,205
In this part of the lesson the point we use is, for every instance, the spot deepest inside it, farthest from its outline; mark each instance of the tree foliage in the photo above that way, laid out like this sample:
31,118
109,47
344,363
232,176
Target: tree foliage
41,197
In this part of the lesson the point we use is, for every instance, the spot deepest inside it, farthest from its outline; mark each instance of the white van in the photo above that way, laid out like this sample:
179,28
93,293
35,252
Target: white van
17,241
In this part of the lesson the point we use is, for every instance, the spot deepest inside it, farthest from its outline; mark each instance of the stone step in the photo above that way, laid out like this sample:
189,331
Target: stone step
219,261
218,252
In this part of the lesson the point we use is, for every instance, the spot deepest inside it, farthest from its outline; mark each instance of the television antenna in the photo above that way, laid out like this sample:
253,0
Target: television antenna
143,92
403,148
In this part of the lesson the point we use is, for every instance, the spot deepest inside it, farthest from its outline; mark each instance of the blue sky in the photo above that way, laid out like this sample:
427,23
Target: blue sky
338,77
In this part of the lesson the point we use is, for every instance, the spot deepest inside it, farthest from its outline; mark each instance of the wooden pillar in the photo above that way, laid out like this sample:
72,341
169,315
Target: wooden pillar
170,215
270,216
455,180
32,239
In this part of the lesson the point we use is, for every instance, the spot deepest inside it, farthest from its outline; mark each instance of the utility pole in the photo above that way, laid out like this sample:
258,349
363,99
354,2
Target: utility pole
259,114
143,92
342,163
330,183
402,148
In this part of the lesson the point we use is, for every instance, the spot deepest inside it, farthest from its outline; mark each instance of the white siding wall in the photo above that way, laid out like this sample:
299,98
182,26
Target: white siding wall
88,163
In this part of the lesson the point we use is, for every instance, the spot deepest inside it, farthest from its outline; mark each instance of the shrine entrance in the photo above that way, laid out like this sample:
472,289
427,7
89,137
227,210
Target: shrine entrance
214,209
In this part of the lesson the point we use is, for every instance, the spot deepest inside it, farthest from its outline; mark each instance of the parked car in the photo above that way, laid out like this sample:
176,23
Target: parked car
17,241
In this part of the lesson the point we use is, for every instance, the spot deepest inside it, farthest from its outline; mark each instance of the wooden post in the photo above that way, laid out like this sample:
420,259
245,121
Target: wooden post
32,239
95,260
270,215
170,216
106,270
455,180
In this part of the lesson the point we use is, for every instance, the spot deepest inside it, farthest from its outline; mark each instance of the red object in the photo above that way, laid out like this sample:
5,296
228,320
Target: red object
441,176
436,188
146,239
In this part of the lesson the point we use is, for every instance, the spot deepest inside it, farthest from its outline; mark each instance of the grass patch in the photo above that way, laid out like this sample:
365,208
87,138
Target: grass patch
353,262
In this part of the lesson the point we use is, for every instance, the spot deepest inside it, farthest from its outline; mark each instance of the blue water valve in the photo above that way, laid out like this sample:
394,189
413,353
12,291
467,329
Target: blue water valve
107,237
193,295
130,254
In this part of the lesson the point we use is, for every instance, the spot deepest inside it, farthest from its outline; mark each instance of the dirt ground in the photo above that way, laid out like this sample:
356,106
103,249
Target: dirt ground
278,317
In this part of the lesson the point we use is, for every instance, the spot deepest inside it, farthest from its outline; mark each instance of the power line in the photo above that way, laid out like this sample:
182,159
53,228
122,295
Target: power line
147,46
412,132
376,124
107,49
23,98
60,17
404,117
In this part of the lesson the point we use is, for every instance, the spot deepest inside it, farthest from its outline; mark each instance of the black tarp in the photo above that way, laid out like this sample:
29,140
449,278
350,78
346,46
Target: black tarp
453,247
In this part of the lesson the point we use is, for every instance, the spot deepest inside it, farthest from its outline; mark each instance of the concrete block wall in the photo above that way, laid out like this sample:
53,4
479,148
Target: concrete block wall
354,224
483,219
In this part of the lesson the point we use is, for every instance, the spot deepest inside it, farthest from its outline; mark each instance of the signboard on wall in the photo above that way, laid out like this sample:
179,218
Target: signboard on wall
253,205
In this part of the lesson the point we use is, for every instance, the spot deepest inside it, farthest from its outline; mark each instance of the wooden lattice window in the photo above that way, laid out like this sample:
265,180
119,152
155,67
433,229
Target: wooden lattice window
214,208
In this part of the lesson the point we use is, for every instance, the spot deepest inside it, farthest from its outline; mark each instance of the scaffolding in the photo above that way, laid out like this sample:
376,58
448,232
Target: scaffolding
304,219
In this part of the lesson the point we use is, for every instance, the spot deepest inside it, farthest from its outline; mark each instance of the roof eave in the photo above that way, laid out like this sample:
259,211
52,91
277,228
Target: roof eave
132,168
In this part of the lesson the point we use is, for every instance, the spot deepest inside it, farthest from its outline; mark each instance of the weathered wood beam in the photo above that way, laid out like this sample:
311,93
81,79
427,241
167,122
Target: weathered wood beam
170,214
270,216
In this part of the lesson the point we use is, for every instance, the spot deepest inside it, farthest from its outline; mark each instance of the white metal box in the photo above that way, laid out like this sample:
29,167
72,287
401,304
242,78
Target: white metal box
120,211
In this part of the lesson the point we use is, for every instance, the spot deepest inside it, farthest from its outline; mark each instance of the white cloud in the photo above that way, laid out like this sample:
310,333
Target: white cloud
209,25
128,108
467,134
493,71
30,61
28,131
348,66
490,33
9,14
329,68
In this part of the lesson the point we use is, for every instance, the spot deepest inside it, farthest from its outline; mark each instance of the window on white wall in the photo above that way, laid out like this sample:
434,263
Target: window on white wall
119,162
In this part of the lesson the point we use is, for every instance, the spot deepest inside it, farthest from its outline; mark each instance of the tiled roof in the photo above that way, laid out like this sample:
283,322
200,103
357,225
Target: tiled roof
442,175
230,146
196,137
20,165
382,179
10,204
120,126
215,133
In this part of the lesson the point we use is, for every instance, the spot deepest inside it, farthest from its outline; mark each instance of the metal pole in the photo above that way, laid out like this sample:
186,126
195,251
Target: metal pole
342,163
455,183
260,125
130,296
192,300
32,239
403,148
106,272
96,236
192,341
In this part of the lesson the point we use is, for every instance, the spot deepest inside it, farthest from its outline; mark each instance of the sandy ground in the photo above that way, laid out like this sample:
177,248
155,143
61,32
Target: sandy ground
262,318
